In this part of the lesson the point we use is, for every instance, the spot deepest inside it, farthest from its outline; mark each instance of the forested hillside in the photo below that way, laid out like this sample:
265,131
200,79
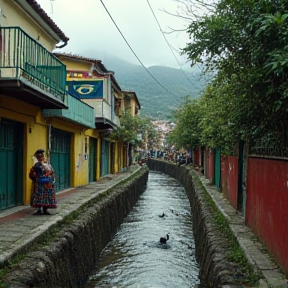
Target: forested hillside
156,101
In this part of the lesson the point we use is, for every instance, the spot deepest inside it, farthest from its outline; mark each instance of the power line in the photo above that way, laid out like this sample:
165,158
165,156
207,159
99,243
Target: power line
168,43
134,52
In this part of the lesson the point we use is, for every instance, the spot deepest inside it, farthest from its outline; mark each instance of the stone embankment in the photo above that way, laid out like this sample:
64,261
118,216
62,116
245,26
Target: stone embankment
211,247
227,251
68,259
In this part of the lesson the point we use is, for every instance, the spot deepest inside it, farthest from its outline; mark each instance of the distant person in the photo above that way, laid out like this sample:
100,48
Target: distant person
43,177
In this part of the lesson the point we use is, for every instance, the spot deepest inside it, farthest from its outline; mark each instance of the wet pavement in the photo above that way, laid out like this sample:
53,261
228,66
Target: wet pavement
20,228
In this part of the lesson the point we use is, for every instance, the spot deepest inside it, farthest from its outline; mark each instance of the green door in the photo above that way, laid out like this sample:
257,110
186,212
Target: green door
112,157
92,159
60,157
11,159
217,168
105,158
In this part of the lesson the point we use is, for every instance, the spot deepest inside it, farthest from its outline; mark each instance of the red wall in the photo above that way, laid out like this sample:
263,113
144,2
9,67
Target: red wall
229,178
206,159
267,205
196,156
210,164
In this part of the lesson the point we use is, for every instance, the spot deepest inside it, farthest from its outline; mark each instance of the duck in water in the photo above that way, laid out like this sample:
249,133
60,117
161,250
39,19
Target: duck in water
174,212
162,215
163,240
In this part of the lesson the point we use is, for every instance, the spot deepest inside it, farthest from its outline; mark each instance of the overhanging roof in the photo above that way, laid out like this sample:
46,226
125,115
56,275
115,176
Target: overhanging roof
42,18
103,123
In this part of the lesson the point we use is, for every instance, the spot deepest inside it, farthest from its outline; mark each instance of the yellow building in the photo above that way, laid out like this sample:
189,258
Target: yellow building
35,110
131,102
132,105
89,80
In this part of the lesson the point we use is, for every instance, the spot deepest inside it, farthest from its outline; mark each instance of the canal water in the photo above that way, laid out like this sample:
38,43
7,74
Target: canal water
135,258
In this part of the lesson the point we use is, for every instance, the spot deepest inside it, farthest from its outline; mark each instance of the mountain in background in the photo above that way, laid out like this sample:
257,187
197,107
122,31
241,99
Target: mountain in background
159,89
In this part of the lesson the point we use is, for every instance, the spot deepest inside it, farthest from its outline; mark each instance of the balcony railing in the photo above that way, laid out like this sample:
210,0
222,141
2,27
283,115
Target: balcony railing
24,59
78,112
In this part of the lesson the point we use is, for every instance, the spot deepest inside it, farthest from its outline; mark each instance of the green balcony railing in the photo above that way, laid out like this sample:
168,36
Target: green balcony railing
78,112
22,56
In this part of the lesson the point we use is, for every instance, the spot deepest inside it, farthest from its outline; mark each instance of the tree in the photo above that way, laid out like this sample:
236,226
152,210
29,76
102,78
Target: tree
131,127
204,122
127,132
187,118
150,133
217,122
245,44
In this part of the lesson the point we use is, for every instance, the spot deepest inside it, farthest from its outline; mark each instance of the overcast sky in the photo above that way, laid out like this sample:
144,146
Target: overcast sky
89,27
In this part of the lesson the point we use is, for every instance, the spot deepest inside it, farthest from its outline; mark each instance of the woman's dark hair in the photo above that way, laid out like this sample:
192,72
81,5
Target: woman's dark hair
39,151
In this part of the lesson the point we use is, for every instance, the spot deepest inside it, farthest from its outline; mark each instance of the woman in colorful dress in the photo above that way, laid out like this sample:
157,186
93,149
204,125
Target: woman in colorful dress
43,176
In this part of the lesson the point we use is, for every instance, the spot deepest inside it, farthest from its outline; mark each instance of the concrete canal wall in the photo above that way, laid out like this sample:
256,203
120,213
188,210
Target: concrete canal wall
68,260
211,250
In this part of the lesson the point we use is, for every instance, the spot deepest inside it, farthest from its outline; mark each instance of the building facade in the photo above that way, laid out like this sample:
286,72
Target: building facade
89,80
35,109
67,105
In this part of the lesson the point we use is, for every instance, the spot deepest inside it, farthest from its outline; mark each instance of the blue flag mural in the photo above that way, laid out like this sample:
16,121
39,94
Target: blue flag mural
85,89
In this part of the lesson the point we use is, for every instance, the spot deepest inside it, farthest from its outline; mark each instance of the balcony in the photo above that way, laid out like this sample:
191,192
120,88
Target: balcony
29,72
78,112
104,117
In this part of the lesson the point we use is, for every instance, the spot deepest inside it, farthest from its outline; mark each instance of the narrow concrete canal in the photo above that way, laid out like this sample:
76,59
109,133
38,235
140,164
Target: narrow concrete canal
135,257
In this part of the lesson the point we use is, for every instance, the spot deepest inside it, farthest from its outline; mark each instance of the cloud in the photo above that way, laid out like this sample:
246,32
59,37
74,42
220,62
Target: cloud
89,27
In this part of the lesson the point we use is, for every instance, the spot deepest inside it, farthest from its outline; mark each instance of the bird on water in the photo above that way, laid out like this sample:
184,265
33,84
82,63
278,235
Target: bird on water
163,240
174,212
162,215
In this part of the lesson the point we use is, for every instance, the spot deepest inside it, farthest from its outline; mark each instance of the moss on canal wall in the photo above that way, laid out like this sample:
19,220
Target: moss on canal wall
213,245
69,259
70,255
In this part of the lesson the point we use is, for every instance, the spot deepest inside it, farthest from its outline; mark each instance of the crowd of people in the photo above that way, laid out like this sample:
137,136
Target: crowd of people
181,158
42,174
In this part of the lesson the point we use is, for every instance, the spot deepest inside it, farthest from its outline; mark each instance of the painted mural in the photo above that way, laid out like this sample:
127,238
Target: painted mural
81,86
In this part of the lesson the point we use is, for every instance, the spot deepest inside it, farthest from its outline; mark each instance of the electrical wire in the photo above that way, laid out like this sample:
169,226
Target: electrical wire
168,42
135,53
